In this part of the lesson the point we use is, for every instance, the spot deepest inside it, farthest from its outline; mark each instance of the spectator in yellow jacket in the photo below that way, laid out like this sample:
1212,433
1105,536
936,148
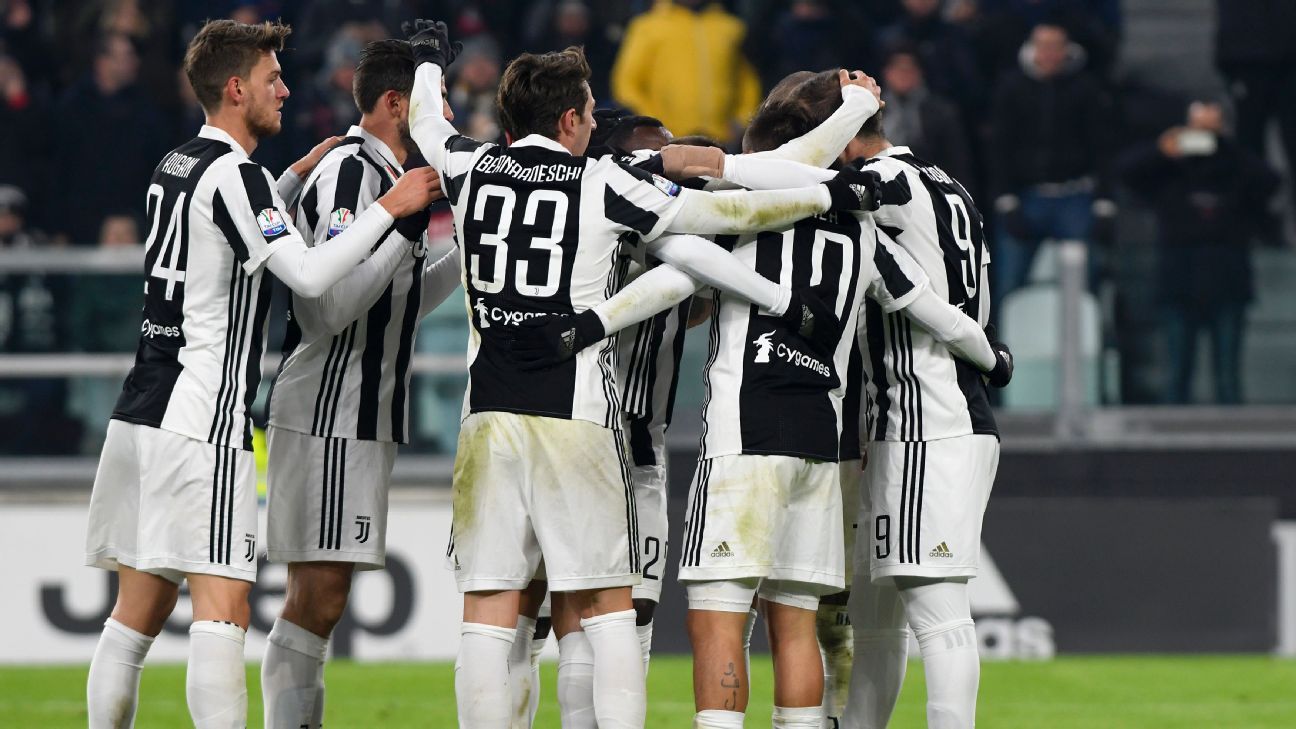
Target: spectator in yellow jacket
682,62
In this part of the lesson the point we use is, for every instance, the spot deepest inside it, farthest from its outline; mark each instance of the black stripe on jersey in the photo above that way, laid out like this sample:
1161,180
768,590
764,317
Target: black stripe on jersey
331,413
460,143
212,533
713,342
632,511
404,352
917,430
875,331
309,206
695,523
325,489
921,448
252,373
350,178
635,373
231,473
335,350
893,278
259,197
240,343
222,419
607,367
371,359
902,522
896,191
621,211
677,353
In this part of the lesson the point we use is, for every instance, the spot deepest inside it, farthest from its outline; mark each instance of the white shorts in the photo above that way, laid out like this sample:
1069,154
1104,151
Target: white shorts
851,478
172,505
528,487
774,517
735,596
650,501
327,499
925,505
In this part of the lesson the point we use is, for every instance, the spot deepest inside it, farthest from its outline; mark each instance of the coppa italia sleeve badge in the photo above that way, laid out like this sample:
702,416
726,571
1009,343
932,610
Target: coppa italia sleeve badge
339,221
271,222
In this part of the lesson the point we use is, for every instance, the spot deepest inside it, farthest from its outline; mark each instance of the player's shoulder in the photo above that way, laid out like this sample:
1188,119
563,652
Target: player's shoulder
622,174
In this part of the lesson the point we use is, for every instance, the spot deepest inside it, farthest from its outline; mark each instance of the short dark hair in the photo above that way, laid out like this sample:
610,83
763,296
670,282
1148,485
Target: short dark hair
537,89
225,48
385,65
616,126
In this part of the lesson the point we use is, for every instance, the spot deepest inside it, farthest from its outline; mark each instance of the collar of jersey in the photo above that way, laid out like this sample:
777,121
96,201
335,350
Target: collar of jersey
893,151
378,146
220,135
537,140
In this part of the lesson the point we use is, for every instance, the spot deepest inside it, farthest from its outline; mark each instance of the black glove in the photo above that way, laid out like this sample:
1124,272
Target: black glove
413,226
547,341
814,320
1002,373
430,40
854,189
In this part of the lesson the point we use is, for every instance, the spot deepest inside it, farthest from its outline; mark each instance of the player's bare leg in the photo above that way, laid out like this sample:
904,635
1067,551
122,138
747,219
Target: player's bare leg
481,673
143,603
607,619
524,664
798,668
292,672
720,684
215,682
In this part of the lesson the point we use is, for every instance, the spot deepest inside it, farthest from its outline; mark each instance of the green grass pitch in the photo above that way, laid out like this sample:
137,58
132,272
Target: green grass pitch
1108,692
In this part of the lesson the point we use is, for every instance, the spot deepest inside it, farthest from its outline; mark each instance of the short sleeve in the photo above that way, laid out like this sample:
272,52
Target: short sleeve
897,277
248,210
638,201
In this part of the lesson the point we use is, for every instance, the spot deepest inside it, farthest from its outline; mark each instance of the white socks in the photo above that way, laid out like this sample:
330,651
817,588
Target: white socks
215,682
807,717
576,681
941,618
881,657
718,719
292,677
620,696
482,678
645,643
833,628
112,691
522,684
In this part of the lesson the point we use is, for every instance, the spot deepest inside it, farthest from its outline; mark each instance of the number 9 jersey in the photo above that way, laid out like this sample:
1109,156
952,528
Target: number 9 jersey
539,231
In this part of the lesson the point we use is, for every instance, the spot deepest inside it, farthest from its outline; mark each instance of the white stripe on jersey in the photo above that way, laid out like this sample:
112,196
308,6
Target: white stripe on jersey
355,383
917,389
214,218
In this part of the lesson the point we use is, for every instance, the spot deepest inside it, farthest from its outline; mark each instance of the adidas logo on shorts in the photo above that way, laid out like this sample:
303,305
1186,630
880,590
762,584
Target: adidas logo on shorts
722,550
941,550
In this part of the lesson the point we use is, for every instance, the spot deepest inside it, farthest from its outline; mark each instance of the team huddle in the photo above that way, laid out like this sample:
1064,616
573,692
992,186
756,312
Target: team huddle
848,446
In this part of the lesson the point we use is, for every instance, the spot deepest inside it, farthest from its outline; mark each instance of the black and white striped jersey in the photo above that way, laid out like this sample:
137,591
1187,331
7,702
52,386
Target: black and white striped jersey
767,391
539,231
353,383
648,358
917,389
214,218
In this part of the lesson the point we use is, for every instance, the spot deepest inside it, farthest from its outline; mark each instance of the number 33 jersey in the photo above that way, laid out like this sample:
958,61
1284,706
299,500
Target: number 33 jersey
214,217
539,235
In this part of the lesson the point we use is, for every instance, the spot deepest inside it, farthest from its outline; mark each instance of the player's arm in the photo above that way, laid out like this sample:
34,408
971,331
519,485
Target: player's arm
440,279
819,147
349,298
901,285
248,209
292,180
713,266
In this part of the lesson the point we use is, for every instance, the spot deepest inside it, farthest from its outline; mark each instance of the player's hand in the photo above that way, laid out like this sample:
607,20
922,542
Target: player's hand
303,166
854,189
414,191
548,341
862,80
431,42
1002,373
812,318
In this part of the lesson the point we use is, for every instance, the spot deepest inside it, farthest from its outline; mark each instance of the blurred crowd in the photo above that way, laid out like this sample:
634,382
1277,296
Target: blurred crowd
1021,100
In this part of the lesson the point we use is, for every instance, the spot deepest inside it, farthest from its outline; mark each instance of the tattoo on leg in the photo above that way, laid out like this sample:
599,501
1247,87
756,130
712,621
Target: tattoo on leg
730,680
